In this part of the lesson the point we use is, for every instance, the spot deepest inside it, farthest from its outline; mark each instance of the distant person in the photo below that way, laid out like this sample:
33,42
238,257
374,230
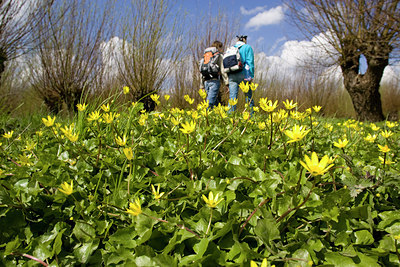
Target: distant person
238,62
212,73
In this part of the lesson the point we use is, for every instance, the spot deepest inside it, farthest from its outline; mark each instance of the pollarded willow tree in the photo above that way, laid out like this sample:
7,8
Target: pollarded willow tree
68,59
151,47
353,29
18,19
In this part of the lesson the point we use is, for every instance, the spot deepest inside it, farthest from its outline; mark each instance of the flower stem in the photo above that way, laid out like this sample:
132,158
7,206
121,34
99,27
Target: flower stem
209,223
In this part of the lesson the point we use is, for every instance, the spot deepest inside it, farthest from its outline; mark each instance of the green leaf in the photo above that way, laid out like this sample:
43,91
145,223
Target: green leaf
301,254
331,214
234,160
84,231
338,260
363,237
388,218
267,230
12,246
83,252
158,154
42,252
349,252
58,242
124,237
201,247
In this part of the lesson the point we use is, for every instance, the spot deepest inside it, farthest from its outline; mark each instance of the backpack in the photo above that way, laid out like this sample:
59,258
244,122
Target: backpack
231,60
209,67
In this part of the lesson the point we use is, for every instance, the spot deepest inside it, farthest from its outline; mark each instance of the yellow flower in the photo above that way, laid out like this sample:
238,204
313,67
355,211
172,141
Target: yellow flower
246,115
370,138
211,201
134,208
49,121
314,166
25,160
221,111
233,102
94,116
187,127
256,109
188,99
244,87
298,115
262,125
121,141
143,118
155,98
203,105
195,115
268,106
166,97
289,104
106,108
328,126
384,149
386,134
279,116
374,127
81,107
202,93
386,161
391,124
297,133
176,121
156,193
317,108
128,153
125,89
253,86
341,143
264,263
109,117
73,137
67,188
8,135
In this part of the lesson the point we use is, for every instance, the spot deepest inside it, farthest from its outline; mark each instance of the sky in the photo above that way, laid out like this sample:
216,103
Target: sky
263,21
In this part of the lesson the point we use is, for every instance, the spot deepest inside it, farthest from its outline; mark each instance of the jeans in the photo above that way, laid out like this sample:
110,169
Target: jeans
212,89
234,80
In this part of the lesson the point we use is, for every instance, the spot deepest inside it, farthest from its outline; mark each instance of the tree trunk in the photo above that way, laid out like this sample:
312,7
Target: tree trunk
364,88
3,59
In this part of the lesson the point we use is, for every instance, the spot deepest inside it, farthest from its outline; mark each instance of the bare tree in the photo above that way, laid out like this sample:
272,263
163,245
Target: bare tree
69,56
351,29
151,45
18,19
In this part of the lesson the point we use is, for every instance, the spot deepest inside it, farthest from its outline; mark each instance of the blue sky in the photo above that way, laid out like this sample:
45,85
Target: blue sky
263,21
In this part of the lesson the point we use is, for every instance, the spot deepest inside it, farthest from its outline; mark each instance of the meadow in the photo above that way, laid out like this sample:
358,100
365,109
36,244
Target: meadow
116,185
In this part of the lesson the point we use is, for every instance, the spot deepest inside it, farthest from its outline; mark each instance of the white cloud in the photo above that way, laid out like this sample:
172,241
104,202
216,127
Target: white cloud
255,10
295,56
272,16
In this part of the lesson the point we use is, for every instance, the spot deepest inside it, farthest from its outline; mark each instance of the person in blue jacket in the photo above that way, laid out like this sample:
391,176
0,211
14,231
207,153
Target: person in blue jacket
246,74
